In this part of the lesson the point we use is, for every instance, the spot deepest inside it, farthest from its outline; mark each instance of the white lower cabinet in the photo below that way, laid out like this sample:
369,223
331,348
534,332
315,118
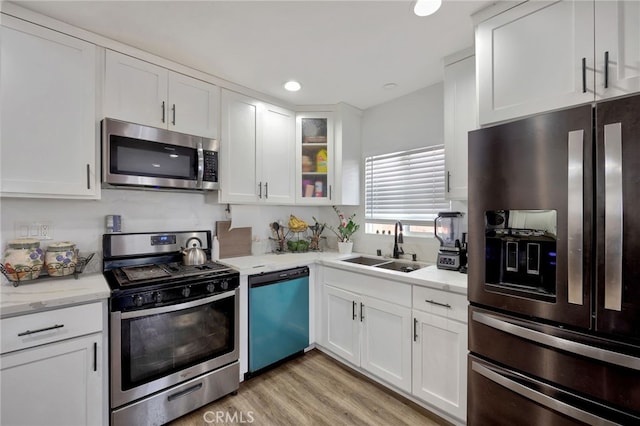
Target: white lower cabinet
53,368
366,331
409,336
440,350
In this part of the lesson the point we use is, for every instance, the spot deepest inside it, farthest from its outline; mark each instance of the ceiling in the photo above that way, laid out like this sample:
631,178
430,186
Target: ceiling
340,51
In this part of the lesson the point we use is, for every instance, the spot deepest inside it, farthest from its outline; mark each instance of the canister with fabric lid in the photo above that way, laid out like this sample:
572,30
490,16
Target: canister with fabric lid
23,259
61,258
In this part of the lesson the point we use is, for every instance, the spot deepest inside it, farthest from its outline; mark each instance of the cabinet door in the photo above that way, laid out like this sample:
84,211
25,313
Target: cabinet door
439,362
47,106
194,106
55,384
239,131
617,48
530,58
135,90
342,324
314,152
386,341
460,116
276,155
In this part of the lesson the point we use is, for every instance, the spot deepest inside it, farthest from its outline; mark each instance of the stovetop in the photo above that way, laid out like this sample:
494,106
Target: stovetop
152,273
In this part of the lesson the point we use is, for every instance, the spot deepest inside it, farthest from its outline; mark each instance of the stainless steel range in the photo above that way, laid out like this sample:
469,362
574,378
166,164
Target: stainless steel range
174,328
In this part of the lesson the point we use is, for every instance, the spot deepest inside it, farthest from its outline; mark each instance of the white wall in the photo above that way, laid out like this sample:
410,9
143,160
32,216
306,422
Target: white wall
83,222
411,121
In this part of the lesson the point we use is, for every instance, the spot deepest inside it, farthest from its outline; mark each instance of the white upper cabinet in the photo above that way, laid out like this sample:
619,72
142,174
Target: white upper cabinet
530,59
256,151
617,50
329,156
460,117
546,55
49,126
148,94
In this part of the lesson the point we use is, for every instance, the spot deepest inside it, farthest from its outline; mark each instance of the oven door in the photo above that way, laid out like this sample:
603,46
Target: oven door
156,348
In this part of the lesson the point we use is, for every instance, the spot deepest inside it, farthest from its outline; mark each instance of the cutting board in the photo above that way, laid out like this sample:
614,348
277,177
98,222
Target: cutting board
235,242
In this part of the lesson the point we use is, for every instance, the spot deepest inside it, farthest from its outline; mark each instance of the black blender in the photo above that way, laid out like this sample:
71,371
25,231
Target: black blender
453,246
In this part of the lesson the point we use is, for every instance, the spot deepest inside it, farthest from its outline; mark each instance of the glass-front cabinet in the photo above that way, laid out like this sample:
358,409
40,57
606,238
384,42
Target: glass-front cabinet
314,165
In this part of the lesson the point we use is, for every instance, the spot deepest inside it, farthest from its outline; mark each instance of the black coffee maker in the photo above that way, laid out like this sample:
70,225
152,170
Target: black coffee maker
448,228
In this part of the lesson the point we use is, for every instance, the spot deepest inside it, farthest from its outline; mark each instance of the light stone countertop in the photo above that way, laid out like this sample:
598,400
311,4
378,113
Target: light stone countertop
48,293
429,276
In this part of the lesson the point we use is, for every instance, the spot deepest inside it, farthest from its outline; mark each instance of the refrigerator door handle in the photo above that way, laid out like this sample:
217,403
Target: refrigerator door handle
538,397
599,354
575,219
613,216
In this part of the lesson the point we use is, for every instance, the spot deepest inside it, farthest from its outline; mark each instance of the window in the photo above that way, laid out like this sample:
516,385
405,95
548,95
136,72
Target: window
406,186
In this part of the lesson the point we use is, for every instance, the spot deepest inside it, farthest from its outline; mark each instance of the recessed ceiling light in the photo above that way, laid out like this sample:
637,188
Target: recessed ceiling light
390,86
426,7
292,86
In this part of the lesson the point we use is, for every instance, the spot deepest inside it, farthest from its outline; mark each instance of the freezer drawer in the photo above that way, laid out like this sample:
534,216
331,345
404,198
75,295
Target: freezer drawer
597,369
498,396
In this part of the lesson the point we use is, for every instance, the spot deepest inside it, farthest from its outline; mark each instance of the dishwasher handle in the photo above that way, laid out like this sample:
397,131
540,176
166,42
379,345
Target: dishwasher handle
274,277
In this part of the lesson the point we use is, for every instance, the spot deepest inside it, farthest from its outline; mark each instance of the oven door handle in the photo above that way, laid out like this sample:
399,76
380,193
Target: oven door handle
555,342
178,307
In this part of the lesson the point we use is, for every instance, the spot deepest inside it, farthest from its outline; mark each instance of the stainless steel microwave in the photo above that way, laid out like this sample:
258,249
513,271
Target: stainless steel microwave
142,156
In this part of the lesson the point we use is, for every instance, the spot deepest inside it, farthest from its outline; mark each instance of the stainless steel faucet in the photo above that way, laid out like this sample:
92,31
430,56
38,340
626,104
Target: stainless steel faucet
397,239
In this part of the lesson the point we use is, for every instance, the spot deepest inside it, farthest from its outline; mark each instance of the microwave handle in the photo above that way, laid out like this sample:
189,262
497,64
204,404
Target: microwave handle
200,174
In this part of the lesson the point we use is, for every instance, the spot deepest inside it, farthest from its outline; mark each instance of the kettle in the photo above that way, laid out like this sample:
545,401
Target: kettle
193,255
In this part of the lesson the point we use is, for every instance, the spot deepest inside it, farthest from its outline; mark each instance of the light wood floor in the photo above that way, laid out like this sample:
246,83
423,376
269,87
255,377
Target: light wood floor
311,390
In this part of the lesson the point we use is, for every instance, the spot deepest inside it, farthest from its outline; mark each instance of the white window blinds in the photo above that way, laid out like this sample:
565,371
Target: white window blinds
406,185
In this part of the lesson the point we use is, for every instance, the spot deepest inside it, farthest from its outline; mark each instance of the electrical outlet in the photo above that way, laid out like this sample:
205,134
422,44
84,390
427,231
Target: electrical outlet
41,230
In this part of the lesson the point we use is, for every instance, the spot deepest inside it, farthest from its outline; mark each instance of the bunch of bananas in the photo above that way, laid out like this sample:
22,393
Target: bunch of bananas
297,225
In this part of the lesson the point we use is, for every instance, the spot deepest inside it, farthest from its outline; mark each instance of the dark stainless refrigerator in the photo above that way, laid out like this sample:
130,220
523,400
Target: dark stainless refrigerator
554,268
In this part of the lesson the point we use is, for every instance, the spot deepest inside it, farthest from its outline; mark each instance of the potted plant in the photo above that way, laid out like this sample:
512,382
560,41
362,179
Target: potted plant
344,231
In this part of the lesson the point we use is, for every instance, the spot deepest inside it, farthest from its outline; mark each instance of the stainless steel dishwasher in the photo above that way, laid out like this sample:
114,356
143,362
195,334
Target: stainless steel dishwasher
278,317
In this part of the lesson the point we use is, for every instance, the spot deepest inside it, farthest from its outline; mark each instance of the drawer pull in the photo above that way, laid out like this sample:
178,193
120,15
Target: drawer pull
433,302
28,332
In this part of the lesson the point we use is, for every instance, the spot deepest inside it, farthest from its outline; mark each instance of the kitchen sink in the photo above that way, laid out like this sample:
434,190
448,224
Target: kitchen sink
392,265
368,261
401,266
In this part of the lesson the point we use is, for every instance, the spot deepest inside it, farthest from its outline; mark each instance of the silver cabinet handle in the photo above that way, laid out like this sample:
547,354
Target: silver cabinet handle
173,110
415,329
260,190
613,232
353,310
578,348
40,330
361,311
448,179
575,218
538,397
433,302
330,193
88,176
163,112
266,190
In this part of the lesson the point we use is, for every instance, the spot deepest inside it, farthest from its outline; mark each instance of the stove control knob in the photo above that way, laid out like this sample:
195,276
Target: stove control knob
157,297
211,287
186,291
224,284
137,300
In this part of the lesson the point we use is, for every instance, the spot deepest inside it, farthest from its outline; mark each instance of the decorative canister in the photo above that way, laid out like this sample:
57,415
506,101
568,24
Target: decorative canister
61,258
23,259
